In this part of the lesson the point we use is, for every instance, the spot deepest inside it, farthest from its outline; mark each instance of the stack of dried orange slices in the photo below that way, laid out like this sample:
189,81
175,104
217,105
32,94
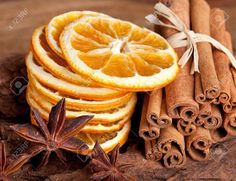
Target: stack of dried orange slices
97,63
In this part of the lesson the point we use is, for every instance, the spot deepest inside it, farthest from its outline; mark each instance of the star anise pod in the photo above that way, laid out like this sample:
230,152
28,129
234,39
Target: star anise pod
55,136
9,166
105,168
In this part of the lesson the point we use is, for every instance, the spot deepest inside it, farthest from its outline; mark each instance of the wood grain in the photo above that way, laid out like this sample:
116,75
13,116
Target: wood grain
20,17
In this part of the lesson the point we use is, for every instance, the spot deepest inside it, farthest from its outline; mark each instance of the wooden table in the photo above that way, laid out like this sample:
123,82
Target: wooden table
20,17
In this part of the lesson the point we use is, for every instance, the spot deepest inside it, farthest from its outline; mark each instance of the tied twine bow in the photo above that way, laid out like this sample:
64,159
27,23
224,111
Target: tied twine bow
185,37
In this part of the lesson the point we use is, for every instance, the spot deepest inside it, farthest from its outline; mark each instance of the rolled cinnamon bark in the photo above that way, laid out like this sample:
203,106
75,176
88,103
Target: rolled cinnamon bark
149,151
180,93
214,121
199,95
156,112
158,154
174,158
147,131
229,45
205,111
198,121
171,144
204,114
227,107
216,101
233,71
233,94
200,18
219,135
198,144
230,122
221,60
186,128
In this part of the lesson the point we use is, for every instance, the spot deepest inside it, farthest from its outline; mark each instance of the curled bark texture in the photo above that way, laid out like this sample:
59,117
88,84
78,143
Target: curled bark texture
171,144
151,151
214,121
156,112
147,131
198,144
219,135
221,60
180,93
186,128
200,18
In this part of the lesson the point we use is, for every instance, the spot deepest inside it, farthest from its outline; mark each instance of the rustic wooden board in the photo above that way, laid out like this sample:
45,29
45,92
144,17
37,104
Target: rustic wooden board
20,17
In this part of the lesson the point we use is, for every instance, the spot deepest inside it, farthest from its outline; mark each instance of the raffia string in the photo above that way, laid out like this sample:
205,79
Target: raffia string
185,37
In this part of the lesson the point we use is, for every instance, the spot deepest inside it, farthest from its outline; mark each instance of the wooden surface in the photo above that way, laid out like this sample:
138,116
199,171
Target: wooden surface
20,17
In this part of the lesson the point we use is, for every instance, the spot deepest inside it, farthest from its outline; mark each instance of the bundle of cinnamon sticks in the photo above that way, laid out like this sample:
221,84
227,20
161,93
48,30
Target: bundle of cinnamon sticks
195,111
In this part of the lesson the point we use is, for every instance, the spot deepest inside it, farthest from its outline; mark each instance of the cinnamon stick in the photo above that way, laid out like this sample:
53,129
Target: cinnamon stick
233,95
199,95
216,101
156,112
229,45
147,131
233,71
220,59
200,18
227,107
214,121
180,93
186,128
230,122
198,144
158,154
149,151
171,143
204,114
205,111
219,135
198,121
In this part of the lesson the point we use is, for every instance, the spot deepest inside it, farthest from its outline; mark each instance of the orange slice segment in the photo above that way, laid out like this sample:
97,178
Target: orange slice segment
99,128
107,140
52,62
134,58
109,117
57,24
78,104
66,88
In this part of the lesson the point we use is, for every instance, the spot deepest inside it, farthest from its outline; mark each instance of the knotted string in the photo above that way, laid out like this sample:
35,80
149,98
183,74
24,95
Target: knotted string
185,37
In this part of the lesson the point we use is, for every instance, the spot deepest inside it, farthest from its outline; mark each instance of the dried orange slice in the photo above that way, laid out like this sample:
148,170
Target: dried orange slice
90,128
78,104
119,54
99,128
39,102
57,24
66,88
52,62
107,140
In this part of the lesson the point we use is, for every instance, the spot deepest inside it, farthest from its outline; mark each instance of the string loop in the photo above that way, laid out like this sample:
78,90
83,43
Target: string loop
185,37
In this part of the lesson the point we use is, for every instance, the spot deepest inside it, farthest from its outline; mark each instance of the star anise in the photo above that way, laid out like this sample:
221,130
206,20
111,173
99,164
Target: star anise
105,168
55,136
9,166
